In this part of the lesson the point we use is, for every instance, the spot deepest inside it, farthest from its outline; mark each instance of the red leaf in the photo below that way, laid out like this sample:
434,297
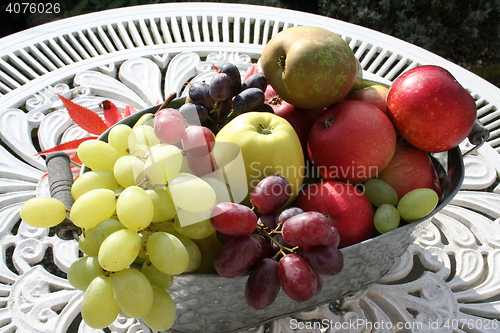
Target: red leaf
253,70
83,117
76,159
217,69
111,113
129,109
69,146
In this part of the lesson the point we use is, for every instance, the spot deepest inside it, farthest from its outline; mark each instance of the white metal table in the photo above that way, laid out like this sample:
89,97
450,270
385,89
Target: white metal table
449,278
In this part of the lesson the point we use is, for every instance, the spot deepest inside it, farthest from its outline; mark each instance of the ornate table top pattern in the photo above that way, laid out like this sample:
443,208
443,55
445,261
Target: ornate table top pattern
447,281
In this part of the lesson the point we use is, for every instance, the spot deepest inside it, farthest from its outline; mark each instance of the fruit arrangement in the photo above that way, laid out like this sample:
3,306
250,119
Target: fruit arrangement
266,176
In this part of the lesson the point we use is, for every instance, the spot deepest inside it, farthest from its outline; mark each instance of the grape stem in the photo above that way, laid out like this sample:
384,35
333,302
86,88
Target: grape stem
167,101
283,249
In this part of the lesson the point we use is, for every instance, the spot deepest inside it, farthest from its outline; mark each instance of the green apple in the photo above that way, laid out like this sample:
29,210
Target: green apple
269,146
310,67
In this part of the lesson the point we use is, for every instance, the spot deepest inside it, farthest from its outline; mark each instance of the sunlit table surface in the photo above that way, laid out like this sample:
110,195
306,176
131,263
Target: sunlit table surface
447,281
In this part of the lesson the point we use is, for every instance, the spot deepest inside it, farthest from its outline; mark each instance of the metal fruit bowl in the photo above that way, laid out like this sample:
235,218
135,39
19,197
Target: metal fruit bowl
210,303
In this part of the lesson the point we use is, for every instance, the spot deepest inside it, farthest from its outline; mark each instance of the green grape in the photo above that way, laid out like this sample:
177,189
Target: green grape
139,260
145,119
43,212
129,171
104,229
161,243
193,252
163,164
155,276
192,193
144,240
386,218
118,138
97,154
162,314
139,151
201,229
417,204
87,244
99,307
93,207
134,208
209,247
83,271
167,226
92,180
142,135
133,292
220,188
379,192
164,208
119,250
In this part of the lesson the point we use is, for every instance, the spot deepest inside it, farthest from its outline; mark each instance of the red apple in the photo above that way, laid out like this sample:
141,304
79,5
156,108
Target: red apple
300,119
349,210
351,141
430,109
409,169
375,94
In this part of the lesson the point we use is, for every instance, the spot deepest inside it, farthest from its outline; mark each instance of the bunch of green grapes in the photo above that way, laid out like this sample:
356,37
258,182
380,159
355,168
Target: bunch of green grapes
143,206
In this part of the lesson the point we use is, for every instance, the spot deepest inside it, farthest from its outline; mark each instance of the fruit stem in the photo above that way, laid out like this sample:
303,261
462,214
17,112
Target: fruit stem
264,130
283,249
167,101
329,121
281,61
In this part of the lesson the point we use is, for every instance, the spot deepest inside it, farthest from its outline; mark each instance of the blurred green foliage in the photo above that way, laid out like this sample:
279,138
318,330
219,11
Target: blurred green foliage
465,32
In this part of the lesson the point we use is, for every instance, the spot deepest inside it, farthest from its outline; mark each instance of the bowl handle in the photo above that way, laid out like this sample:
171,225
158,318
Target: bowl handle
478,135
60,182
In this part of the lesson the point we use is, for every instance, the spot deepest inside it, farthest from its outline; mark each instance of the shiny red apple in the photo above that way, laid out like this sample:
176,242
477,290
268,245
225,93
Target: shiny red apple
430,109
349,210
409,169
351,141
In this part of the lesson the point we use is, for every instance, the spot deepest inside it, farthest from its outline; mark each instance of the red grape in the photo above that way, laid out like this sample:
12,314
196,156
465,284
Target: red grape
333,238
233,219
297,278
324,259
263,284
250,99
319,283
306,229
168,127
195,114
233,71
270,194
268,220
288,213
220,87
237,256
198,140
199,92
266,249
201,165
256,80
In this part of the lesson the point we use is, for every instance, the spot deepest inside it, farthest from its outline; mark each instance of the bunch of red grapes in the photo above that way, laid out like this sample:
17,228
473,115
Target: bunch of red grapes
285,249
